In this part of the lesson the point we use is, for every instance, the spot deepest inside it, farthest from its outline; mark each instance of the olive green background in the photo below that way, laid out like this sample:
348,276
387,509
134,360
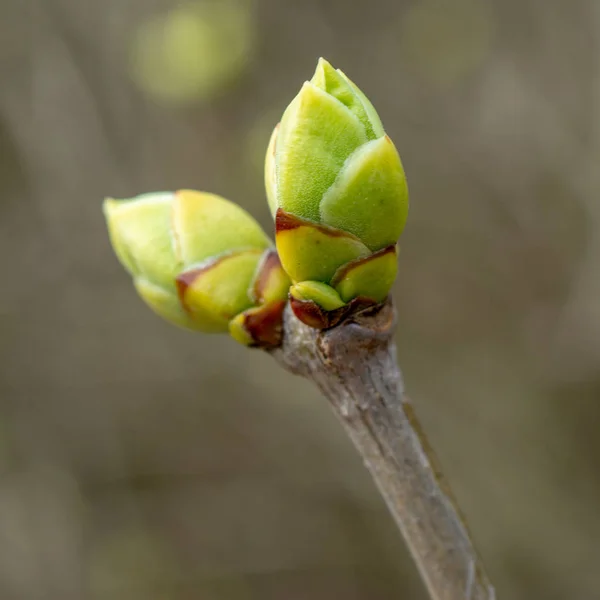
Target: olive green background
138,461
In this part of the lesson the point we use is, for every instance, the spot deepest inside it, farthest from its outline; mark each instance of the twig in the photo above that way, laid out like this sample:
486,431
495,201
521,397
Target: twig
354,365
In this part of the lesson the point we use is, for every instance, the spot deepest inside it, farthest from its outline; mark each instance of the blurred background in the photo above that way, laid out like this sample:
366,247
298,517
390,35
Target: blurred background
138,461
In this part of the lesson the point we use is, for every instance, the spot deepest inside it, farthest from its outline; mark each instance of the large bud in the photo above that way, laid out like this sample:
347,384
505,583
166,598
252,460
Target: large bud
201,262
337,190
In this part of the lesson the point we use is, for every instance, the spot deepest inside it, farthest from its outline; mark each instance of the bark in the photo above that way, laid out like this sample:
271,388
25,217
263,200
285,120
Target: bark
354,365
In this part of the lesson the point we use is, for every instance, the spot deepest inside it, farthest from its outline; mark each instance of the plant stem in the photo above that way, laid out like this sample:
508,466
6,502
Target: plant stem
354,365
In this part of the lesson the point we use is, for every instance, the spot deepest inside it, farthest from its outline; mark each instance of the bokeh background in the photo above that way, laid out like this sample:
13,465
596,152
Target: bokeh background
138,461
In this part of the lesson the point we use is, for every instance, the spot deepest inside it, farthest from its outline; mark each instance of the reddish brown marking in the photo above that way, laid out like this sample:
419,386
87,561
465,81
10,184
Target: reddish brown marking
311,314
268,264
285,221
265,325
344,270
184,280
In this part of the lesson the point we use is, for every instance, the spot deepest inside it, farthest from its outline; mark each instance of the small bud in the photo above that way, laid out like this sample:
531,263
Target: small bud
314,303
201,262
337,190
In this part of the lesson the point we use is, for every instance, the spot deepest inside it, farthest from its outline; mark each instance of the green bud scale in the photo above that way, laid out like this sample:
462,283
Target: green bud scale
337,190
201,262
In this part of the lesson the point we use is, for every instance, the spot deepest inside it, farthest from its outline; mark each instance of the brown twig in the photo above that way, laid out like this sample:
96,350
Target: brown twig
354,365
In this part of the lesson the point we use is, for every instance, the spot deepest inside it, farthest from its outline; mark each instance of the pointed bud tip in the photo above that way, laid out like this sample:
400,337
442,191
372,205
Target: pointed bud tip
307,86
111,209
110,206
320,74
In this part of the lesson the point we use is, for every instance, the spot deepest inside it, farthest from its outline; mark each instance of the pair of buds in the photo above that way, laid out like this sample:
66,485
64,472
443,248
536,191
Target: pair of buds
337,191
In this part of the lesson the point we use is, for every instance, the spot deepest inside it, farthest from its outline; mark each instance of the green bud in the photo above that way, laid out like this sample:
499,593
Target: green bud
201,262
323,294
337,189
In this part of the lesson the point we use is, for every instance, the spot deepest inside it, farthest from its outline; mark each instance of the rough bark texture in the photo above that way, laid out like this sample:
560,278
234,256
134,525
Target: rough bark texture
354,365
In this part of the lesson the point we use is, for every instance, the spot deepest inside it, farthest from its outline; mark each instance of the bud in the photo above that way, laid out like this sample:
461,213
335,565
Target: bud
201,262
337,190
